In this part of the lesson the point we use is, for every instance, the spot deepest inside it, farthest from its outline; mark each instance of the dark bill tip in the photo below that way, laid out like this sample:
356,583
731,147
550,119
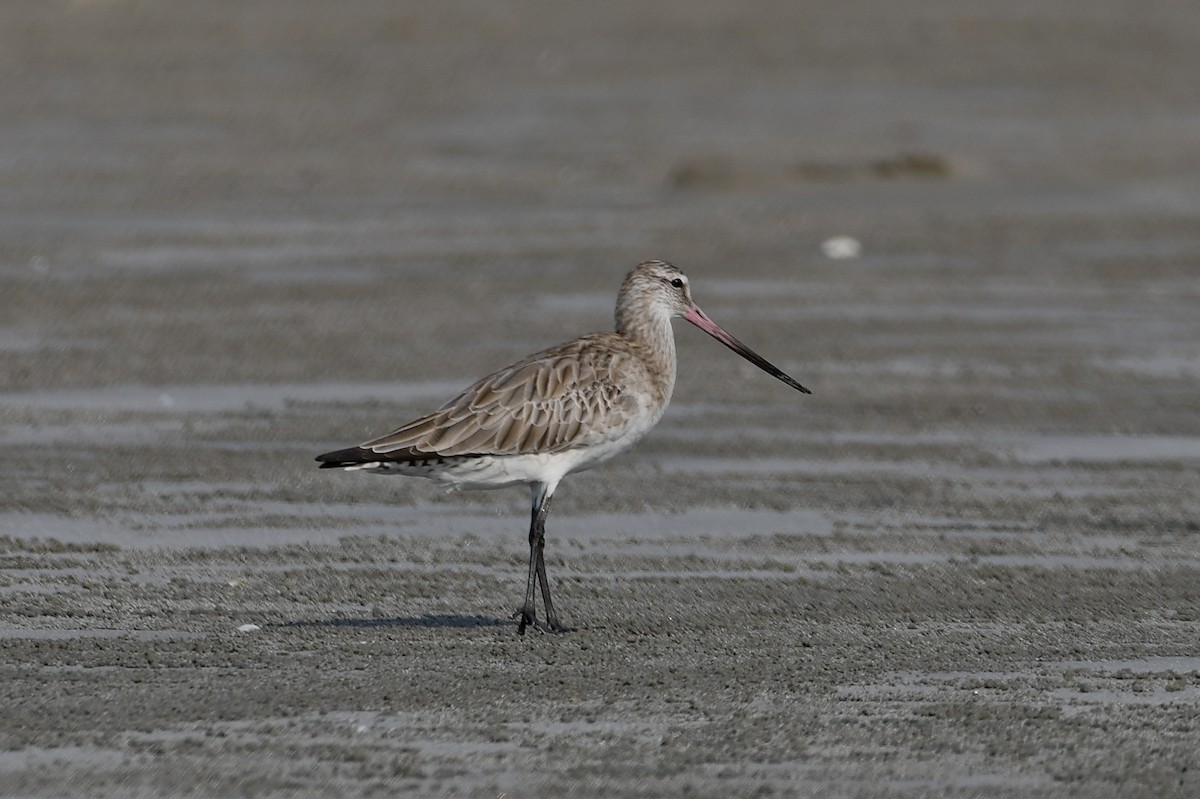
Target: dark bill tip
700,319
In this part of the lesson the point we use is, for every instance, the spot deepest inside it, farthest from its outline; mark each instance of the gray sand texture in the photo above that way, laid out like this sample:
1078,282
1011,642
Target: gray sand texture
235,235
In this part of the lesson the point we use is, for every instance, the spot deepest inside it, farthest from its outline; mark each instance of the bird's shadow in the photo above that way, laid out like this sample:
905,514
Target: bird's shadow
428,620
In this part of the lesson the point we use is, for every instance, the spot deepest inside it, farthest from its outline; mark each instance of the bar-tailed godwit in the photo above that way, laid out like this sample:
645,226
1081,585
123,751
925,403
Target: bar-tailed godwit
562,410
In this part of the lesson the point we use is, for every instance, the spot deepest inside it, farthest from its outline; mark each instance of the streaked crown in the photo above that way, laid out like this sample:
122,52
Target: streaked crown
652,289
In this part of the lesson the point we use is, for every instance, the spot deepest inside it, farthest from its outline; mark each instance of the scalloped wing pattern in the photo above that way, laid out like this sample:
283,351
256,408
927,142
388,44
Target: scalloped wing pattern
566,397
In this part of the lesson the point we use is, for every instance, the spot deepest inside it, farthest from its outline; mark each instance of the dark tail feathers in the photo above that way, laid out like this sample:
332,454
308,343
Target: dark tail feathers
347,457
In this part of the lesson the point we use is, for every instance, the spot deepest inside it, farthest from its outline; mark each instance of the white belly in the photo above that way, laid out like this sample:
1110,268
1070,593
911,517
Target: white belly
500,471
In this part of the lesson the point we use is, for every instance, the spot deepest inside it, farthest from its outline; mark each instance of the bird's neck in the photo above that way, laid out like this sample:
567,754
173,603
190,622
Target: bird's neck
653,336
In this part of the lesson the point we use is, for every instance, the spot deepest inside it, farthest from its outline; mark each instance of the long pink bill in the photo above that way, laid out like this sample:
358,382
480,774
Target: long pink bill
700,319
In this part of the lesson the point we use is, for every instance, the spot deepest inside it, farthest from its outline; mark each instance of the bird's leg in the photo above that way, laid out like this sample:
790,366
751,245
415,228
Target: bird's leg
537,570
528,611
551,617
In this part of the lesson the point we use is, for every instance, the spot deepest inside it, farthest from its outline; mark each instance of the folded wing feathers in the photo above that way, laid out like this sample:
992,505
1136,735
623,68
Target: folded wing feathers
499,415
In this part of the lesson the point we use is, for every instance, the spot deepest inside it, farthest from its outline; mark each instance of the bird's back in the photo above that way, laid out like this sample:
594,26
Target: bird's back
592,391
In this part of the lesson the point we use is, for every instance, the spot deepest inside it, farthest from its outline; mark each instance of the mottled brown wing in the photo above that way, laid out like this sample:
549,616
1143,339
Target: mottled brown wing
556,400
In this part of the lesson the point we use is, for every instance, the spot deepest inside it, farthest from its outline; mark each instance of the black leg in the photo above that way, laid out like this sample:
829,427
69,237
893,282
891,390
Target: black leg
551,618
537,570
528,611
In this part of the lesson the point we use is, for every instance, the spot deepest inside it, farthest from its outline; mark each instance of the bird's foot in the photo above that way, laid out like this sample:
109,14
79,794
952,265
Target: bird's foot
528,618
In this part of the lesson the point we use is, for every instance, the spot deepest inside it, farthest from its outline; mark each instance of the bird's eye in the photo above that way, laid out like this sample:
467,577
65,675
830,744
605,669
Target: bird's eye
677,283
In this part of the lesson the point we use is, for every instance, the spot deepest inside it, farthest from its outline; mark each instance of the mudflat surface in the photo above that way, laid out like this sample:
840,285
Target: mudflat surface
235,235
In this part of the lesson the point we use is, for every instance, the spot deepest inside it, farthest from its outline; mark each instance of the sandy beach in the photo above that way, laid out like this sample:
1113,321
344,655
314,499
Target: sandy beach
234,236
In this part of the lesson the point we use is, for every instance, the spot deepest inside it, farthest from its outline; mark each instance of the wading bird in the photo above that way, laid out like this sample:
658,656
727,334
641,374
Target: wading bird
562,410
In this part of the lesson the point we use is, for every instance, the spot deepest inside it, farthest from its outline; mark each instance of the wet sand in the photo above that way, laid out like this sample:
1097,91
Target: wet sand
233,236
